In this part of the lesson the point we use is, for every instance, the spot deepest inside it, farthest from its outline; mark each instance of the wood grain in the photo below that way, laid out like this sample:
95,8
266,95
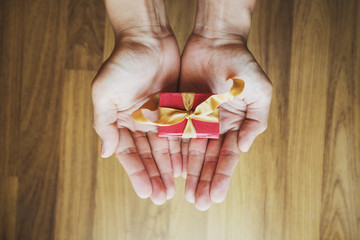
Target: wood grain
10,90
10,84
300,179
8,199
307,109
85,34
181,16
43,52
75,201
340,167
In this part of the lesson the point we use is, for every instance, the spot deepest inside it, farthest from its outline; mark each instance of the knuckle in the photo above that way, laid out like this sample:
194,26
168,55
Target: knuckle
211,158
196,152
229,153
161,151
193,174
140,136
146,155
127,151
172,153
224,176
137,172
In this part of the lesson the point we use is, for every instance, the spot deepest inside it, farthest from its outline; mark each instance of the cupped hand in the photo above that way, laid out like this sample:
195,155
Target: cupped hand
207,62
140,66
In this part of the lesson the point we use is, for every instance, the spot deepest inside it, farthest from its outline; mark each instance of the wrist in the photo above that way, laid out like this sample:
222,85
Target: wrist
219,18
145,18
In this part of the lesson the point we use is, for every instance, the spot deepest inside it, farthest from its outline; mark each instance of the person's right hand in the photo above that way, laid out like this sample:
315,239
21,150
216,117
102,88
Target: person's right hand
207,62
141,65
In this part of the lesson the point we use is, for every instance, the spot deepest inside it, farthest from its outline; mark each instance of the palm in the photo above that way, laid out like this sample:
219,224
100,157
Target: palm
137,69
206,65
134,72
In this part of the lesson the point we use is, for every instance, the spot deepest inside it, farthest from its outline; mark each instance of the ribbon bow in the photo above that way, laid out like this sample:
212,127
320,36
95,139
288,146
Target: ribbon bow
206,111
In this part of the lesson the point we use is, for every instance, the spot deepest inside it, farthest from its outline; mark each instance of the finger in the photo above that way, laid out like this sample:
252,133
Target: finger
185,155
129,158
175,155
105,119
255,121
160,152
228,159
202,196
197,149
158,195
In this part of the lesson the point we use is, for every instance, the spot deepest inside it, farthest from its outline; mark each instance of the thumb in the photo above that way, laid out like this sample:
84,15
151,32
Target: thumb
105,119
109,135
249,130
254,124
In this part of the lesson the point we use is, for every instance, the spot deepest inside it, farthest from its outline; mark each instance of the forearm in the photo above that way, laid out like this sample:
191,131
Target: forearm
224,16
134,15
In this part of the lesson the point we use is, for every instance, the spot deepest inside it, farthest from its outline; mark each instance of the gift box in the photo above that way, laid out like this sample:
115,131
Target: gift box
203,129
188,115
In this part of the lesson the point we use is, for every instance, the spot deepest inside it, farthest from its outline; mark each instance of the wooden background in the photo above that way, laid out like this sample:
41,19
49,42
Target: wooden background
300,180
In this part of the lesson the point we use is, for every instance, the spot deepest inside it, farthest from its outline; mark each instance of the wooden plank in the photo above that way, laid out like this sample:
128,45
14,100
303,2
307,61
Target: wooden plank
85,34
75,198
10,84
357,113
8,198
41,92
340,195
307,108
111,209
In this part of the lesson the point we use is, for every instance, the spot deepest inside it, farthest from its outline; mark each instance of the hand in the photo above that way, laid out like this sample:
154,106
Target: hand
207,62
140,65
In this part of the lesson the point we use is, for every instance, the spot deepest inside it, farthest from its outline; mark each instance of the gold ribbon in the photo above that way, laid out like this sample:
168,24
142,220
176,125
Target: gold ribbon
206,111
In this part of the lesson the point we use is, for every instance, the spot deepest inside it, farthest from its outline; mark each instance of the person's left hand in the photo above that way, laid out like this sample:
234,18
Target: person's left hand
141,65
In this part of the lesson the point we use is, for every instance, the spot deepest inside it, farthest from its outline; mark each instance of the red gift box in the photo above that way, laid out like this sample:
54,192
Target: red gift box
203,129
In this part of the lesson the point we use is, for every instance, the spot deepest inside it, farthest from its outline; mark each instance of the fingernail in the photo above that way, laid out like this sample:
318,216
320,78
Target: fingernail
190,197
